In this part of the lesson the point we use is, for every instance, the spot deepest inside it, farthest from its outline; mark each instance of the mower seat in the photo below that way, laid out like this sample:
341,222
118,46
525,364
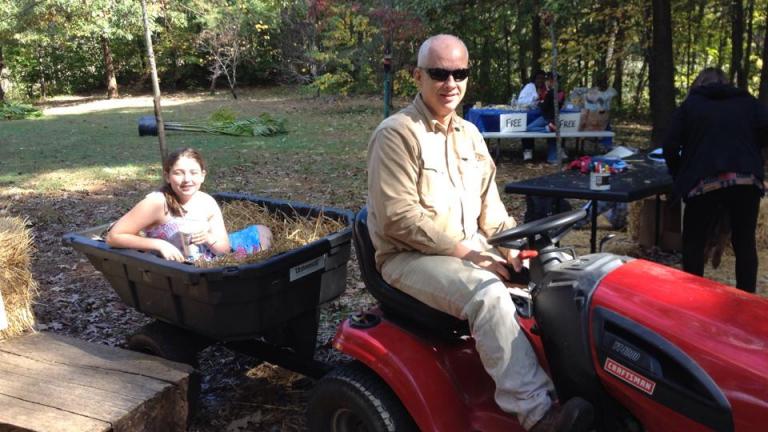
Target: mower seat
395,303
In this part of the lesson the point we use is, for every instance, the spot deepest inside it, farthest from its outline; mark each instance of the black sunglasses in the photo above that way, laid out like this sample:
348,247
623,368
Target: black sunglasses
440,74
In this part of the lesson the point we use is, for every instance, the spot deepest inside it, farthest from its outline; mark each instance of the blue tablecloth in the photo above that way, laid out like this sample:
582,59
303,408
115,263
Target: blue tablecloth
487,119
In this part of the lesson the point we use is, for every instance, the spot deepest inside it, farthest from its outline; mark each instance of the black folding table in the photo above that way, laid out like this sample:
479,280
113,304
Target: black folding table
644,178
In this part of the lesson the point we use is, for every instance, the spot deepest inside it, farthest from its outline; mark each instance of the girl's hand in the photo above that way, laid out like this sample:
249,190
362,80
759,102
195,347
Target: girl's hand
169,251
201,238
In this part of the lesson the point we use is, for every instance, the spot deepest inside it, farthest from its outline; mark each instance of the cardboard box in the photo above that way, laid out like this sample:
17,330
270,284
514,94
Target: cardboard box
594,120
670,221
513,122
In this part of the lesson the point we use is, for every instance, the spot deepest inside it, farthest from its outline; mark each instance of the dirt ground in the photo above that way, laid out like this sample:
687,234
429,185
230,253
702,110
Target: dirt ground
238,393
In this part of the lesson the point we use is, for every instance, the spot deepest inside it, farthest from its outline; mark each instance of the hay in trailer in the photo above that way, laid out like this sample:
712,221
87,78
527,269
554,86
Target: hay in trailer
288,231
17,285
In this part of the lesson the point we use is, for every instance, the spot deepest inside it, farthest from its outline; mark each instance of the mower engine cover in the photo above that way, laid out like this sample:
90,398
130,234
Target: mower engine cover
679,351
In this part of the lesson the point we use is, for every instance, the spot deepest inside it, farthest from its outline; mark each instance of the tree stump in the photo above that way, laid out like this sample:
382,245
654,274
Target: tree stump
57,383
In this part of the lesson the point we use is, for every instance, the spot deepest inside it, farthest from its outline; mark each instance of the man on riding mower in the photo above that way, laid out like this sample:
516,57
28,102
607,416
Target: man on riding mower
433,202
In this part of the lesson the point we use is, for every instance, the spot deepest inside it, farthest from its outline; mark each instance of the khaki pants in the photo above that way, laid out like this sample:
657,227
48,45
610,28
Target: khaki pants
466,291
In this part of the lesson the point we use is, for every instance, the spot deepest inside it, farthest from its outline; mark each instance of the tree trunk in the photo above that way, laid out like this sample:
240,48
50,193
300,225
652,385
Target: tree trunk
695,35
484,76
748,47
2,68
618,70
763,93
214,76
647,38
41,70
522,69
662,89
607,25
535,37
600,77
155,82
507,57
737,43
688,43
109,69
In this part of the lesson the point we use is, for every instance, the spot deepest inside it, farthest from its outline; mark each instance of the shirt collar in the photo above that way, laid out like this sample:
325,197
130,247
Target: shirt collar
432,123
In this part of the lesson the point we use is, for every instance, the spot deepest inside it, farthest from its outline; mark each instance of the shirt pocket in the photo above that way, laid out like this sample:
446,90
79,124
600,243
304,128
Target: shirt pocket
473,171
434,184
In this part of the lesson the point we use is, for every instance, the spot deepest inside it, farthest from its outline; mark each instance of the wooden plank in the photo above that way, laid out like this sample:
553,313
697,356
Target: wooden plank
76,352
71,397
95,378
21,415
79,385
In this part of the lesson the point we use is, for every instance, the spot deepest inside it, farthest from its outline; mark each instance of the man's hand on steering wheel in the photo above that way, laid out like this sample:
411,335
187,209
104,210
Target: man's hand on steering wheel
513,259
489,261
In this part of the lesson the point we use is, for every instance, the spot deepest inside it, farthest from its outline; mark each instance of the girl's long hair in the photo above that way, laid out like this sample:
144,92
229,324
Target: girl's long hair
172,202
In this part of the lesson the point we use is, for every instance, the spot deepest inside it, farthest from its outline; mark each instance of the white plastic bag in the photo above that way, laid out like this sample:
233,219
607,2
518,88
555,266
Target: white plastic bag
3,316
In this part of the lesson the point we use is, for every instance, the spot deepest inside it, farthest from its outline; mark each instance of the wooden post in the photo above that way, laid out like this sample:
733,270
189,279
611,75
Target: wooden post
155,83
558,138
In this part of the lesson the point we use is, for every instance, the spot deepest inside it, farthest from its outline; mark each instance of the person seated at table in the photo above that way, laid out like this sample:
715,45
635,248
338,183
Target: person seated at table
180,206
534,91
530,95
546,123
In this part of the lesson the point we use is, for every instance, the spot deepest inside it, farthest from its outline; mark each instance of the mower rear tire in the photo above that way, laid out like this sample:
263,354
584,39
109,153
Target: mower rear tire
351,398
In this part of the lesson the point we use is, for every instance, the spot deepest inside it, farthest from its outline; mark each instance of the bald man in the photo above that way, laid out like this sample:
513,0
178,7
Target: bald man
432,203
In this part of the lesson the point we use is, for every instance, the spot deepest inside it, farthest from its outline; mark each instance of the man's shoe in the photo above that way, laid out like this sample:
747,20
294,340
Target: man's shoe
527,155
576,415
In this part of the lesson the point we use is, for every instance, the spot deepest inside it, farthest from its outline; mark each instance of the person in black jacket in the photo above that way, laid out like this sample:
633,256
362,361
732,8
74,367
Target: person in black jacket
713,152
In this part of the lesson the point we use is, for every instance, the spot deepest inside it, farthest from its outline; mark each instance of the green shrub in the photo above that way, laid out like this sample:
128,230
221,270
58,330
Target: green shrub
338,83
17,111
404,85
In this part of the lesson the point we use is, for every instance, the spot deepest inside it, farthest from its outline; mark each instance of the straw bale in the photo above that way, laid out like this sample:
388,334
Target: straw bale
761,233
288,231
633,219
18,287
762,225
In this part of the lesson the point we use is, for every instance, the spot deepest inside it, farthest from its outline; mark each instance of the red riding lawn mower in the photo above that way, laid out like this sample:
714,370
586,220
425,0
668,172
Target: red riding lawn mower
652,348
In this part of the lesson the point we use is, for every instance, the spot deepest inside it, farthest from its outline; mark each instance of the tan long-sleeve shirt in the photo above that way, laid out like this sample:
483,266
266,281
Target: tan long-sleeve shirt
430,187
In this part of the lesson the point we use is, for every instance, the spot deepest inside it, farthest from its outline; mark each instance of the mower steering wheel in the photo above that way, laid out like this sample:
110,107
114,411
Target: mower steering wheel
540,226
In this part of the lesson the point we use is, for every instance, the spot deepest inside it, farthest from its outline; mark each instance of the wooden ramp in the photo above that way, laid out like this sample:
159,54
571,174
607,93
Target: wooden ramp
56,383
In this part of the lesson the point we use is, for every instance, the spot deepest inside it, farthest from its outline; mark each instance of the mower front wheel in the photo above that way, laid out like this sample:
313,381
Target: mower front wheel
353,398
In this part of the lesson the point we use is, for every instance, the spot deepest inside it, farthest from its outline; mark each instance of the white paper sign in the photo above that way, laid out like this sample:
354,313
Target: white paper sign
569,122
513,122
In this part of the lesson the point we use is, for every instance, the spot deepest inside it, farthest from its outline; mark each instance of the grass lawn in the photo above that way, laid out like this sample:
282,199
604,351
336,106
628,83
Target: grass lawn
91,147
